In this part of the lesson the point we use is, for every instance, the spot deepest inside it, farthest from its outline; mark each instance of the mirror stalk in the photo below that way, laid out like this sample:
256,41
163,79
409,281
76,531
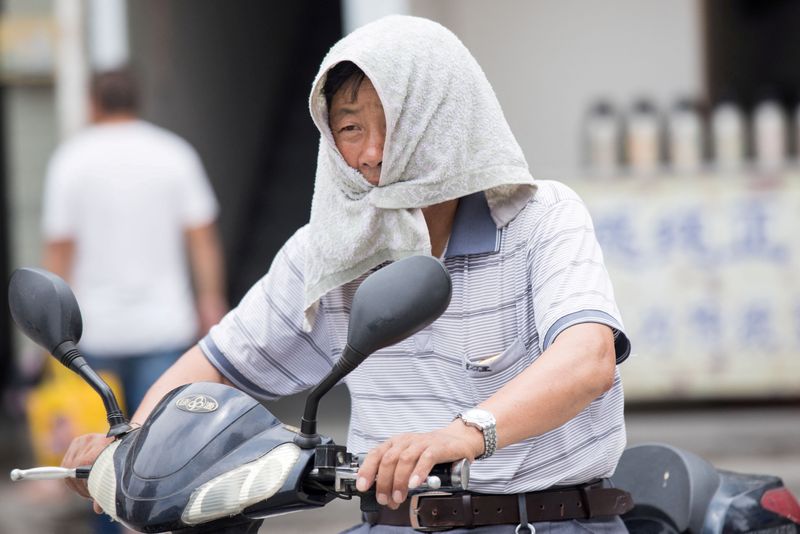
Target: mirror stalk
69,355
308,437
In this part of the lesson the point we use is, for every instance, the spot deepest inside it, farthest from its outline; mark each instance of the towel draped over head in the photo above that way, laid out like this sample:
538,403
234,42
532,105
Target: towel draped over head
446,137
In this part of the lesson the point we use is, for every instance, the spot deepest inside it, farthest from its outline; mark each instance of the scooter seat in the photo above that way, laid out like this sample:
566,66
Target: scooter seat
667,482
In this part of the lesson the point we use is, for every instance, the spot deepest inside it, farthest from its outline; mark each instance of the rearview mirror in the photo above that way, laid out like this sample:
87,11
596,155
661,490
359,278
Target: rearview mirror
390,304
44,308
395,302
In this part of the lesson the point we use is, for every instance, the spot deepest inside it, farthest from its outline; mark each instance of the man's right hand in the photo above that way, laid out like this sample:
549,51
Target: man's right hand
84,450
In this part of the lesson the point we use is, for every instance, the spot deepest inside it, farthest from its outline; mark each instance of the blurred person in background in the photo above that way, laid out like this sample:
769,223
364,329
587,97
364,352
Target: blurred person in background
520,373
129,221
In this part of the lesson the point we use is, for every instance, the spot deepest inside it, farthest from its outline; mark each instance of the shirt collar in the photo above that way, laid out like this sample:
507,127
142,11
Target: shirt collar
474,231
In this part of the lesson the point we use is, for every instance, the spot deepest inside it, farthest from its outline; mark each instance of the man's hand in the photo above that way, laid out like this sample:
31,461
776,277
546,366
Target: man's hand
404,461
84,450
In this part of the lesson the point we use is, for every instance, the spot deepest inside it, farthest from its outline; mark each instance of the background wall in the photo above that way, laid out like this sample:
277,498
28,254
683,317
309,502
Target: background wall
549,59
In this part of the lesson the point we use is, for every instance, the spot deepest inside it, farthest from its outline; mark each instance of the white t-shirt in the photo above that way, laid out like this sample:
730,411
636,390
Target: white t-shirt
125,193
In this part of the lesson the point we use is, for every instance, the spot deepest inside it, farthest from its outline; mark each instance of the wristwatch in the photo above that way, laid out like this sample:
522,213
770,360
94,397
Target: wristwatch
485,422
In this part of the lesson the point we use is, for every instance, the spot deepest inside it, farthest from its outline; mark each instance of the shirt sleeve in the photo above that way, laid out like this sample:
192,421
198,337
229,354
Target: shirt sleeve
198,203
260,346
59,207
569,279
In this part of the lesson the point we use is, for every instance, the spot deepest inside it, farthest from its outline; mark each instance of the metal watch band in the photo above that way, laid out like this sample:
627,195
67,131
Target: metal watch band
485,422
489,442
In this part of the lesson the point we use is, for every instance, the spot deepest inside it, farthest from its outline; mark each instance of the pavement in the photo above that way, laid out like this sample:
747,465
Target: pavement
747,439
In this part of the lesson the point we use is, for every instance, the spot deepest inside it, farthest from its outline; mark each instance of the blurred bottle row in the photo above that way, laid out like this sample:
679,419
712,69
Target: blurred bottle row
687,139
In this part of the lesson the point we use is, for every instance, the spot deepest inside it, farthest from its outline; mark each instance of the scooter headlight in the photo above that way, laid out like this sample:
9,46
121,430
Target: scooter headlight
103,480
232,492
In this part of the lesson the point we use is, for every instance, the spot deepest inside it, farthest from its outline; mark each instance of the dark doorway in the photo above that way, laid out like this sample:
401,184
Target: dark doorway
752,49
233,79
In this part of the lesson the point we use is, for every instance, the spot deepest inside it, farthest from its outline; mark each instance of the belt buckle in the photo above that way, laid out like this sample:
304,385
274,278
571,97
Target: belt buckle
413,508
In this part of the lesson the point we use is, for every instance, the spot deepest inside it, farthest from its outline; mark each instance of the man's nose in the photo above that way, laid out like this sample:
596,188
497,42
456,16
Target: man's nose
372,155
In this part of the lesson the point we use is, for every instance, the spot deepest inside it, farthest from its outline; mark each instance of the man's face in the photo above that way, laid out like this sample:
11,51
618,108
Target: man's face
359,128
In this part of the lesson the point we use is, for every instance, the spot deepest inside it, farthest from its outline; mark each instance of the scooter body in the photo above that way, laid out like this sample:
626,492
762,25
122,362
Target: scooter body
175,472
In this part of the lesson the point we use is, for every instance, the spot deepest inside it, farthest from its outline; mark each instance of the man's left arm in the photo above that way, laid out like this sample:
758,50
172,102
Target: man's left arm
577,367
205,255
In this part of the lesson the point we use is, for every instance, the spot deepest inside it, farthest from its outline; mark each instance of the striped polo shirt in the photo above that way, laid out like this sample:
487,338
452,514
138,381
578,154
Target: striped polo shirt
514,290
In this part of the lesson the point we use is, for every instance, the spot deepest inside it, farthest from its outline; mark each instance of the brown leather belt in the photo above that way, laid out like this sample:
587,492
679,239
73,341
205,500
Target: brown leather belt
442,511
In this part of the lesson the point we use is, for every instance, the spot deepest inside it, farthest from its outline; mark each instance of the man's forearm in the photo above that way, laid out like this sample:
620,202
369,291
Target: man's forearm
193,366
576,369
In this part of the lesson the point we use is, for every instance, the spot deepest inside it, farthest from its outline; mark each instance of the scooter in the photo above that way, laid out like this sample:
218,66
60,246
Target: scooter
210,458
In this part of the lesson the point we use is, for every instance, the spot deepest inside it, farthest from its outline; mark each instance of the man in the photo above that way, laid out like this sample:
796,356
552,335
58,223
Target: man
127,209
518,374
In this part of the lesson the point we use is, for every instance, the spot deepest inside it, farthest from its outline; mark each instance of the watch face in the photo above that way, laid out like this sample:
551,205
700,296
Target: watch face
478,416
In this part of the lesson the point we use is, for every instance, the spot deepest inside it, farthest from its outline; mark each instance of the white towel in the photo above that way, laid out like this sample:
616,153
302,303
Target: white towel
446,137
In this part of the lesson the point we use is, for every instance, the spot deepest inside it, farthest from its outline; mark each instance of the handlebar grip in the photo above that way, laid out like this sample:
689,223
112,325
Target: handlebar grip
42,473
340,470
453,475
49,473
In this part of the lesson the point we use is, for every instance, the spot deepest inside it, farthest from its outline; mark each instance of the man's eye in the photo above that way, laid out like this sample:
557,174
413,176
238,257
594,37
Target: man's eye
348,128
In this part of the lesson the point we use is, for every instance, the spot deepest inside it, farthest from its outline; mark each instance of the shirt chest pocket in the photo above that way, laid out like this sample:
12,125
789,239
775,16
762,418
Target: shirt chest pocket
488,373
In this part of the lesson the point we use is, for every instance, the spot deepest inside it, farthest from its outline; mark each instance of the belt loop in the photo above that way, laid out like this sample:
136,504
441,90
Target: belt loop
583,491
524,527
466,507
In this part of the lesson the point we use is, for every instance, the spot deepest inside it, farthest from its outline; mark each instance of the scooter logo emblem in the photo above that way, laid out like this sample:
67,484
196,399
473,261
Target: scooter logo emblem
197,403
